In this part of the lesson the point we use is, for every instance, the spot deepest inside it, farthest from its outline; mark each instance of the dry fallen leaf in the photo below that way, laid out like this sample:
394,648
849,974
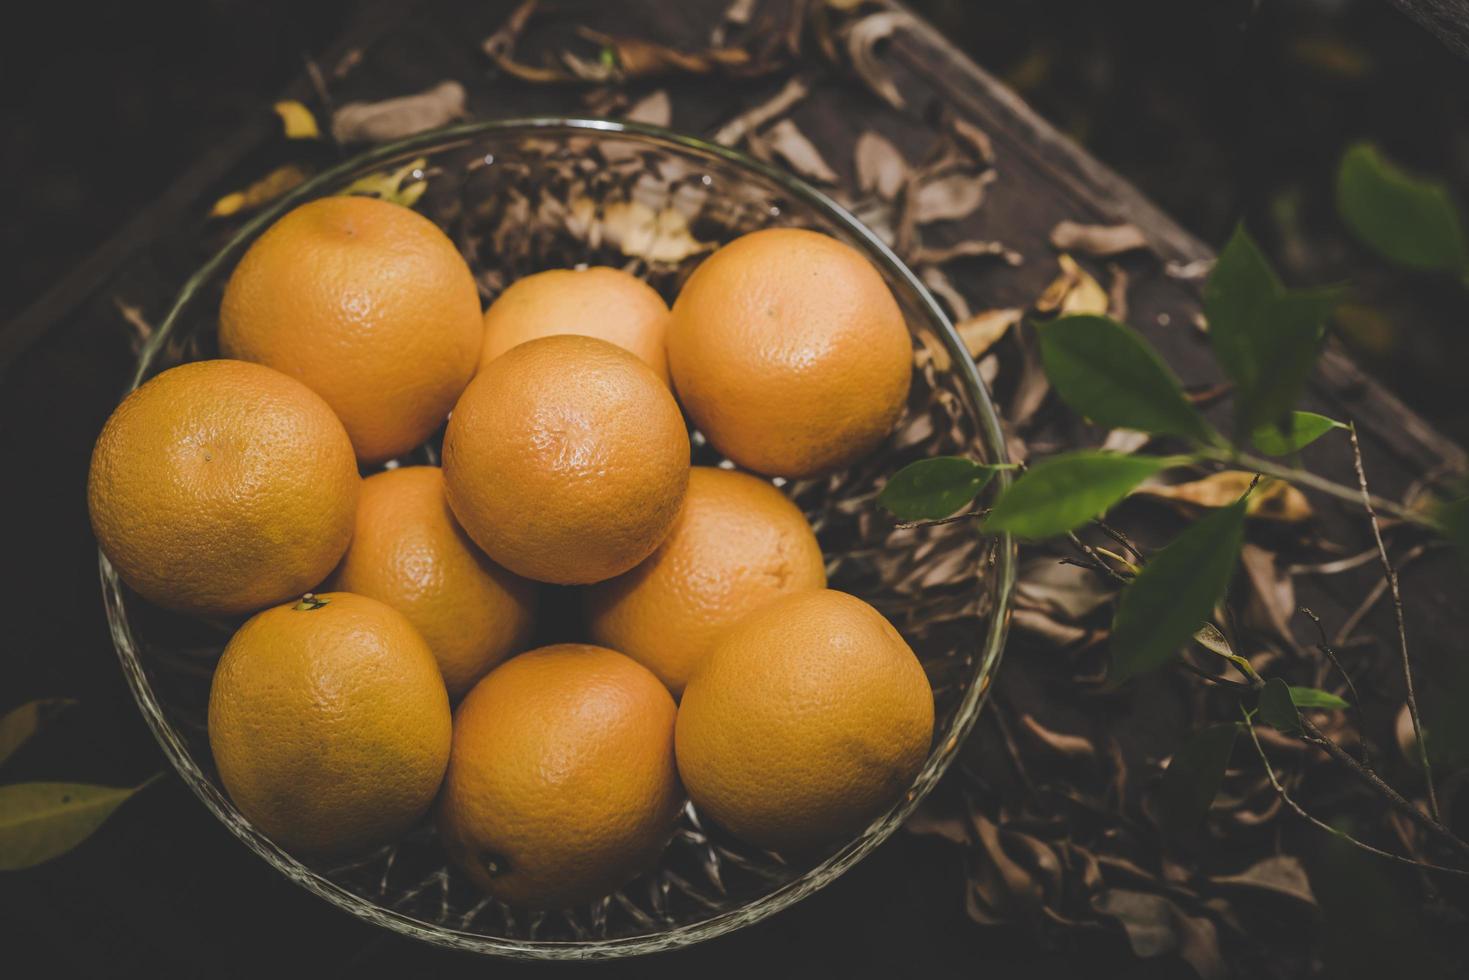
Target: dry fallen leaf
800,154
1280,874
941,285
1117,292
972,248
970,137
1155,926
753,118
980,331
267,188
1273,500
1073,747
1125,441
297,120
862,38
1073,291
654,109
949,197
1272,591
636,57
1061,589
880,166
635,229
402,186
390,119
1097,240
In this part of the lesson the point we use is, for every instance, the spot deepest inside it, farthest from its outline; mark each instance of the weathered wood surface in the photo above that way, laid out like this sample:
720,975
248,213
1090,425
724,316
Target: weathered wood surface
164,886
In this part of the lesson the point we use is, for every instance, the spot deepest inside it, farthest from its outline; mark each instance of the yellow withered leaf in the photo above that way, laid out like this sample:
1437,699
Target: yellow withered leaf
1074,291
1273,500
396,186
267,188
297,120
982,330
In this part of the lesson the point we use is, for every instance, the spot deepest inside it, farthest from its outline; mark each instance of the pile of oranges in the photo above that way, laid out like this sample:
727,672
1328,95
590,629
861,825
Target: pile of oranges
383,670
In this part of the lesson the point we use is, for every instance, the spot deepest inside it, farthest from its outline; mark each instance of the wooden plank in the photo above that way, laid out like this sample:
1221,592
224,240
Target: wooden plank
1448,20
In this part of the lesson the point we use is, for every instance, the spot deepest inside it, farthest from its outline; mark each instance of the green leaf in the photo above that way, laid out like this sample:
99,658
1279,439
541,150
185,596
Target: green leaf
931,489
1296,329
1210,638
17,727
1408,221
1277,709
1107,372
1192,779
40,821
1175,593
1306,428
1265,337
1238,297
1312,697
1064,492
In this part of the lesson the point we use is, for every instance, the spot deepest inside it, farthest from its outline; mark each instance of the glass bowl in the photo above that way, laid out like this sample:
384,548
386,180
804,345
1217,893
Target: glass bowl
527,194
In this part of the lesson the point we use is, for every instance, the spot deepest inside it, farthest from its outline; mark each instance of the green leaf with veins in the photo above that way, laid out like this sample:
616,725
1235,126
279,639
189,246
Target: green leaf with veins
1306,428
40,821
1175,593
1296,330
1193,777
1107,372
1064,492
1277,708
1264,336
932,489
1313,697
1409,221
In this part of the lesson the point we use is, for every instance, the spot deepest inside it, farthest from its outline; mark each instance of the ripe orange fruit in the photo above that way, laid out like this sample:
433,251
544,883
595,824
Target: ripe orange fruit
220,487
329,723
409,552
738,543
562,783
598,302
809,718
566,460
790,354
369,304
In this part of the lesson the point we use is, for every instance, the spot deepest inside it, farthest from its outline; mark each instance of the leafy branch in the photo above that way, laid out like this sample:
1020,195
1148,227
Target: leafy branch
1266,338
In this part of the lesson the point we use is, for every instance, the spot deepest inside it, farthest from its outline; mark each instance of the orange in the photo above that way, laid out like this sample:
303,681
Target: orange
409,552
566,460
369,304
789,353
598,302
220,487
738,543
808,719
329,723
562,783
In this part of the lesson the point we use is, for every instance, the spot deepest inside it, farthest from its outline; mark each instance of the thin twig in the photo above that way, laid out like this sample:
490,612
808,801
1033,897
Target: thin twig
1307,479
1212,678
1280,789
1369,602
1335,567
1397,606
1091,553
1319,738
1330,654
1120,538
966,516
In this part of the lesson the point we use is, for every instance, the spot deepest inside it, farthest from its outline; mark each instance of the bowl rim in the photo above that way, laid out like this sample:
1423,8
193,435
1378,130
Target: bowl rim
1003,567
